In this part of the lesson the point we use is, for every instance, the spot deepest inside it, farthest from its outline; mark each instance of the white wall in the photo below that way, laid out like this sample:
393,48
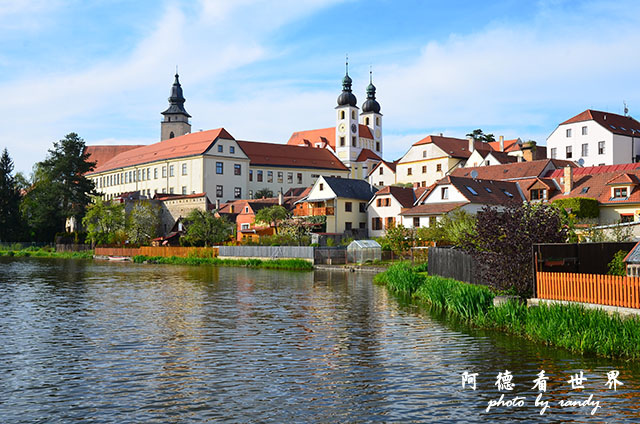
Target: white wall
613,153
384,212
309,177
387,178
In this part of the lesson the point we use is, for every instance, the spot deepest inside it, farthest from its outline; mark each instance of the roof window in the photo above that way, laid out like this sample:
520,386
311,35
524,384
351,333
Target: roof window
472,191
488,190
507,193
612,127
584,190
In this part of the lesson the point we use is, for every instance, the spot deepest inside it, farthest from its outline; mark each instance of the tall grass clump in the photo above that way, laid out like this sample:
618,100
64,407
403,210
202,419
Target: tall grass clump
286,264
466,300
400,278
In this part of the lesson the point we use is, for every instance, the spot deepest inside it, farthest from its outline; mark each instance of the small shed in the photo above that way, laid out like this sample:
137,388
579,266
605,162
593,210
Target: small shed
361,251
632,260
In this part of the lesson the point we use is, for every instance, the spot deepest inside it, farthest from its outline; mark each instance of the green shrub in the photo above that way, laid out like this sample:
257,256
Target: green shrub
617,265
580,207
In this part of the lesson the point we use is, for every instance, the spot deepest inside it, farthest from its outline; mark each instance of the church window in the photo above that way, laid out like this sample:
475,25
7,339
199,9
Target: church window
184,169
171,134
342,114
341,141
353,141
366,120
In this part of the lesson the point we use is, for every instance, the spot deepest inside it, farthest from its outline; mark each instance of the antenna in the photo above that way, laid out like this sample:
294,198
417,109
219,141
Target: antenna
581,162
474,174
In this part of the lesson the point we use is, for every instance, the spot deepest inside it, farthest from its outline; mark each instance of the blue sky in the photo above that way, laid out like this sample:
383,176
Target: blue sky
264,69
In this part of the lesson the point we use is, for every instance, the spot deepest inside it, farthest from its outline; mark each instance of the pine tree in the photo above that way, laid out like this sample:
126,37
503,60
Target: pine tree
9,200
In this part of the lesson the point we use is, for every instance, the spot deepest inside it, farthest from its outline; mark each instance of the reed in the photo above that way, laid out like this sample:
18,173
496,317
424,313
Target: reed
400,278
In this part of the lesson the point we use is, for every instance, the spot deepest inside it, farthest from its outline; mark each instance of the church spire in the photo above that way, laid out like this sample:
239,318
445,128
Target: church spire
176,99
371,104
347,98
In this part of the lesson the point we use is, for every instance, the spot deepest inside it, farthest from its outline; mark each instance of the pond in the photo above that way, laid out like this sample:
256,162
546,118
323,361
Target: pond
121,342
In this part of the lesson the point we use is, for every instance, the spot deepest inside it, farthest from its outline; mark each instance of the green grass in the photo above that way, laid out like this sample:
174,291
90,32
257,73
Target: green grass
572,327
287,264
46,253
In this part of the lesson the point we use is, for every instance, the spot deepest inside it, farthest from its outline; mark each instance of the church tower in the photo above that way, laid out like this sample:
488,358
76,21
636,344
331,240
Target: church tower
371,116
176,118
347,134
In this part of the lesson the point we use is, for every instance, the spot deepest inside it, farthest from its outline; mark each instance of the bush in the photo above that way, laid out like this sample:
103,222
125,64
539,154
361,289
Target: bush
580,207
617,265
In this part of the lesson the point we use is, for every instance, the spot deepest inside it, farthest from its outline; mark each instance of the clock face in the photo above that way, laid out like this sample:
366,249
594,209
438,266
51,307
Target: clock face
353,128
341,128
377,133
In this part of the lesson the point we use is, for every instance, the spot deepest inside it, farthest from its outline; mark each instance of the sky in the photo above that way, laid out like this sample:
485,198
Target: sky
263,69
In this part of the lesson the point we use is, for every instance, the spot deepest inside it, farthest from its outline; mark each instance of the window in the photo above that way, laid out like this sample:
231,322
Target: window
416,222
507,193
619,192
584,130
381,170
390,222
626,217
148,174
424,153
585,149
290,177
232,149
170,190
321,187
184,189
250,194
342,115
538,194
259,176
472,191
569,152
568,132
251,175
377,121
244,226
269,176
363,207
584,190
377,146
171,134
348,206
439,167
347,226
601,147
353,141
237,193
444,191
376,224
432,221
171,174
220,148
218,191
409,171
184,169
155,173
164,190
299,177
554,153
341,141
424,169
219,168
280,176
353,114
164,173
366,120
362,225
237,169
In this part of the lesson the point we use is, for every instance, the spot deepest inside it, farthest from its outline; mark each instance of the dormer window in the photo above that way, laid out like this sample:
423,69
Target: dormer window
620,192
538,194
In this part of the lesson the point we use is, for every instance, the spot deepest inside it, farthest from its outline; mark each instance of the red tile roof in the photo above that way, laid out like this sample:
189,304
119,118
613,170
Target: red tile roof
390,165
509,145
168,196
101,154
187,145
617,124
513,171
455,147
595,186
501,157
486,192
592,170
367,154
323,135
404,196
273,154
433,208
622,179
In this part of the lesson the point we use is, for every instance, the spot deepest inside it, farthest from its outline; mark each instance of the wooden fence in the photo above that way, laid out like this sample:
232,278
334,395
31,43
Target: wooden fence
200,252
589,288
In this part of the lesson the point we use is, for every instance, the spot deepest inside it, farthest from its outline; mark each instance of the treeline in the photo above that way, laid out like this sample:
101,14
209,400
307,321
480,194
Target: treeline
35,208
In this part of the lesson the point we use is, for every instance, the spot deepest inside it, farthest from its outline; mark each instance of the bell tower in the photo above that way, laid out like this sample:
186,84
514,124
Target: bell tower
371,116
176,118
347,131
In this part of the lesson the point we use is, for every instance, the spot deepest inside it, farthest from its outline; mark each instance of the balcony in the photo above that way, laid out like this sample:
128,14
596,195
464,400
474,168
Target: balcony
306,211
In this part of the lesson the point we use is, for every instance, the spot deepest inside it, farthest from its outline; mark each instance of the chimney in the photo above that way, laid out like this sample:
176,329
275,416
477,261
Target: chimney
280,198
502,143
440,134
471,146
568,179
231,208
217,204
520,158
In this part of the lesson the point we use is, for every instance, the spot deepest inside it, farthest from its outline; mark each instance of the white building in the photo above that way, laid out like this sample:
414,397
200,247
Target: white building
385,206
383,174
599,138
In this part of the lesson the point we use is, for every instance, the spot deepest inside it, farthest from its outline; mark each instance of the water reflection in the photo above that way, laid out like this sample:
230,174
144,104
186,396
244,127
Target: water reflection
118,342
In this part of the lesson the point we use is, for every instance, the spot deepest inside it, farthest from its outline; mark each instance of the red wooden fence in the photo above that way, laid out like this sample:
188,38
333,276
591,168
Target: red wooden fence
200,252
589,288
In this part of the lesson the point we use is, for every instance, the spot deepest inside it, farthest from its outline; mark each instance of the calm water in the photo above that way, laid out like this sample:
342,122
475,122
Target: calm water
105,342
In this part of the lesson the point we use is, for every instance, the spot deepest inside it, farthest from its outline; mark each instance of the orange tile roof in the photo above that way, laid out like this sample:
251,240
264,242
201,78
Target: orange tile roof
591,170
101,153
595,186
617,124
455,147
509,145
273,154
367,154
624,178
187,145
323,135
512,171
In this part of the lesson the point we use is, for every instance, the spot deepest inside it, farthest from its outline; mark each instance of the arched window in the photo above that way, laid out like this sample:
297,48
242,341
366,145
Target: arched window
366,120
342,114
353,114
171,135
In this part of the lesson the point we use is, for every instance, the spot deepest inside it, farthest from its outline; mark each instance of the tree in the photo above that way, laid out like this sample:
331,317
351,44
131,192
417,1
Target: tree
204,229
60,189
272,216
263,193
457,227
104,222
399,239
9,200
504,239
479,135
143,222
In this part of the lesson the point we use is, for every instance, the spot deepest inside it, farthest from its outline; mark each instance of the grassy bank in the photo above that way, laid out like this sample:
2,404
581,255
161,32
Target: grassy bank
568,326
45,253
286,264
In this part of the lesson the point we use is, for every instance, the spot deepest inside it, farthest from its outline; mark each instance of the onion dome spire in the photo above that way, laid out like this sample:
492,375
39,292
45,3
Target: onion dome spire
371,104
347,98
176,99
